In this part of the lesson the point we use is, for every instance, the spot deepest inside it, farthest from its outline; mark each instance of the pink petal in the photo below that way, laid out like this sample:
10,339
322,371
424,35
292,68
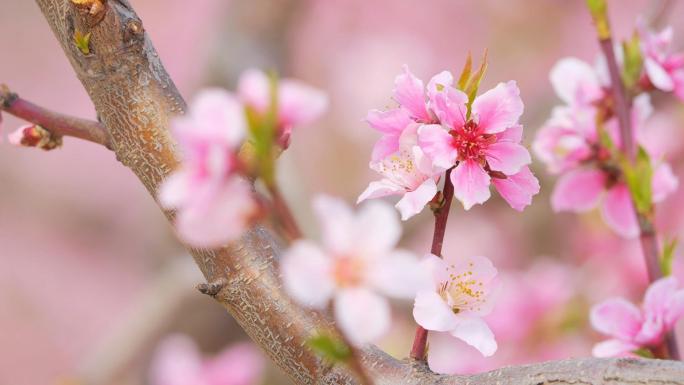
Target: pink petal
658,75
378,189
432,312
174,190
299,103
512,134
389,122
475,332
240,364
362,315
437,144
337,224
578,191
437,268
414,201
176,362
675,309
617,318
376,229
471,183
221,217
217,112
440,81
664,182
507,157
306,272
575,81
409,93
518,189
659,296
618,212
254,89
385,146
499,108
400,275
450,106
613,348
446,355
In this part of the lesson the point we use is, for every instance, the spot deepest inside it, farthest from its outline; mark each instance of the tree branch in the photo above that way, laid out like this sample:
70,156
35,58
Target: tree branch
55,123
135,99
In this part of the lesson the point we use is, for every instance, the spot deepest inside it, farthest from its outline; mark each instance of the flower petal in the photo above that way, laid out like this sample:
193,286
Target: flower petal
575,81
431,312
475,332
664,182
385,146
376,229
409,93
578,191
362,315
379,189
400,275
499,108
675,309
174,191
511,134
659,295
613,348
471,183
658,75
507,157
414,201
437,144
176,362
306,274
216,112
389,122
450,106
617,318
337,223
618,212
299,103
518,189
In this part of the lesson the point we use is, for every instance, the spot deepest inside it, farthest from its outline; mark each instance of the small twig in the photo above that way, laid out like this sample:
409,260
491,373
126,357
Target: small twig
212,288
56,123
418,351
283,212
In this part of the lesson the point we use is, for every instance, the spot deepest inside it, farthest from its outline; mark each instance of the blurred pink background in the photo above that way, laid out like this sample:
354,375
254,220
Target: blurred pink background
91,277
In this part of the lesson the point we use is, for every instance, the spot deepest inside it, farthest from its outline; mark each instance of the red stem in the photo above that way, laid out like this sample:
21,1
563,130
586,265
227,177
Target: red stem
418,351
52,121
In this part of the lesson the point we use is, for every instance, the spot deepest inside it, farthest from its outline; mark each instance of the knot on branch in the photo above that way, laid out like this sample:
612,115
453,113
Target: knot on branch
212,288
7,97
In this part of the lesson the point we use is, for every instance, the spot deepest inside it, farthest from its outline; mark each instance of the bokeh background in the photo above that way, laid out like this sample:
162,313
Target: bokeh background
92,279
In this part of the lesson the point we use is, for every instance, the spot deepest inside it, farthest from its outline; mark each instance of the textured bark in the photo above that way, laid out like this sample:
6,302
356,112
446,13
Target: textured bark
135,98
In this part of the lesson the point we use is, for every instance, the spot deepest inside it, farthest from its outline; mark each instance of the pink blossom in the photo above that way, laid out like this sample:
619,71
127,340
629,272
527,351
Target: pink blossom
462,293
178,362
663,69
406,172
214,204
569,143
482,147
298,103
356,267
632,328
577,83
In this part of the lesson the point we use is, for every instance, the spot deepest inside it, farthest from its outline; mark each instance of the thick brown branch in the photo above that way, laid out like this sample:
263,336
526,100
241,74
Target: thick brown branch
56,123
135,99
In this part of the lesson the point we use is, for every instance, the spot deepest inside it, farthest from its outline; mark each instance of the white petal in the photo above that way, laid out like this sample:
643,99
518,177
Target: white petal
413,202
362,315
476,333
431,312
399,275
306,274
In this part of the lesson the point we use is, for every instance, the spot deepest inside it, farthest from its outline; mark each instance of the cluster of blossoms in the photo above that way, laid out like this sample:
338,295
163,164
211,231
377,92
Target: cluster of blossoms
436,129
210,191
579,138
632,328
177,361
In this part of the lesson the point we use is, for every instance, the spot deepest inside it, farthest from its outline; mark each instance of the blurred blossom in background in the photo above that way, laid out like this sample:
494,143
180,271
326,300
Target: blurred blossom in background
92,279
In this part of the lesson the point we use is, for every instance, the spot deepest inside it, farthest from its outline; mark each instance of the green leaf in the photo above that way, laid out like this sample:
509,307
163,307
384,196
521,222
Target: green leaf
633,61
638,176
330,348
82,42
263,129
667,256
599,12
644,352
465,74
474,82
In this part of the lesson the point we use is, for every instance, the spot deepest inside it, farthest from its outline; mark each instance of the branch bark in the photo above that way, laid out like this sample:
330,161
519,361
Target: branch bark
135,99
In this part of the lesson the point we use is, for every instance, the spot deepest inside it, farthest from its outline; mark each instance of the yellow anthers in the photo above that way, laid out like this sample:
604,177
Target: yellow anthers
82,42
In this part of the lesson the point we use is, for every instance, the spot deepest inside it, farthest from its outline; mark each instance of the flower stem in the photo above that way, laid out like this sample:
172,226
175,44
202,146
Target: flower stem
622,108
283,212
418,351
